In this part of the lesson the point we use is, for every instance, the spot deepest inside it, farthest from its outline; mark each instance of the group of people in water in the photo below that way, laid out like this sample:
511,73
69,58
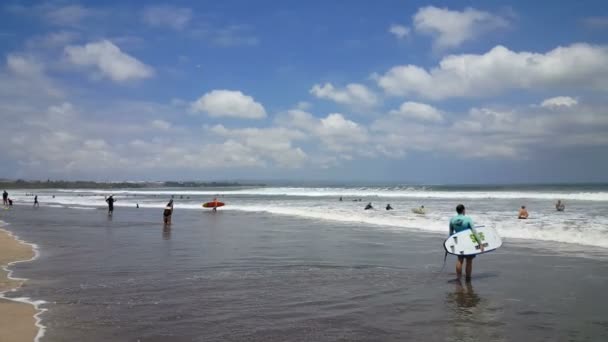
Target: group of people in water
523,212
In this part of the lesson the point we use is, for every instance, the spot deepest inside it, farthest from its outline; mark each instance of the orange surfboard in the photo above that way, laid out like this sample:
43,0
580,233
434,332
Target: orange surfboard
213,204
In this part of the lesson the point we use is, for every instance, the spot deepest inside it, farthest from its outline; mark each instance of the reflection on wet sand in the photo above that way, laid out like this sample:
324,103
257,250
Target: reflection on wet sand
167,232
471,317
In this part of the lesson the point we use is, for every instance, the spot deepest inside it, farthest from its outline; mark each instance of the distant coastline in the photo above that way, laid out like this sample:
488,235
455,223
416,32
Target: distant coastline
61,184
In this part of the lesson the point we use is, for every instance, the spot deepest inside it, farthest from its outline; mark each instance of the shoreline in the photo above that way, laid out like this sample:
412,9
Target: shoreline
23,321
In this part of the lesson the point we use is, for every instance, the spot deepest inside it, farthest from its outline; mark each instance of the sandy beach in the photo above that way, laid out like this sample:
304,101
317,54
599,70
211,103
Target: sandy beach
18,322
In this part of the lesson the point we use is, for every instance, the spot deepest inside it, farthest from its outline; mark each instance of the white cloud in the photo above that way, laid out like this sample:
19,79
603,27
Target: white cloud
26,76
418,111
173,17
229,103
399,31
353,94
235,35
51,40
71,15
109,60
499,70
491,133
452,28
599,22
160,124
273,143
335,132
559,101
24,65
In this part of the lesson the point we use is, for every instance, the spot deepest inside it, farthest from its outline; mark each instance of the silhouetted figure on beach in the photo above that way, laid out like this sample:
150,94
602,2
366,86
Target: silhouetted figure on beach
137,205
10,202
110,201
167,213
560,206
36,204
388,207
5,198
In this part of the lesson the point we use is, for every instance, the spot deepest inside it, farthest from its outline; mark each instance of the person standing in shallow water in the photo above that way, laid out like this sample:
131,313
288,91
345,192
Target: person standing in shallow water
110,200
5,198
167,213
36,204
459,223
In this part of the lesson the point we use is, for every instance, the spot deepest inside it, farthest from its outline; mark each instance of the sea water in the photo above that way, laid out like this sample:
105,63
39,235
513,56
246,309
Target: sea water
584,222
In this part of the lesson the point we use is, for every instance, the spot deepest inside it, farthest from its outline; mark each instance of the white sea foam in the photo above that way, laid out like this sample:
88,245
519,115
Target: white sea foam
363,192
36,303
585,221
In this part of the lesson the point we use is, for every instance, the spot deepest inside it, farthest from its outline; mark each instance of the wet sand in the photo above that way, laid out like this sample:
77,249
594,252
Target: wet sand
18,322
234,276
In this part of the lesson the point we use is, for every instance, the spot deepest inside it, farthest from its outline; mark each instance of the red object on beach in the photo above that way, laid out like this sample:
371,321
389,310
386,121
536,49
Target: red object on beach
214,204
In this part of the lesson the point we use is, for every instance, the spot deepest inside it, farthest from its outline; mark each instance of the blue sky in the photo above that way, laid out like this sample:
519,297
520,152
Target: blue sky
395,91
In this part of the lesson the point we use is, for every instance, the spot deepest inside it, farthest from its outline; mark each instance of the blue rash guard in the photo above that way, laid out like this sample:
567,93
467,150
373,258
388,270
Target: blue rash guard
460,222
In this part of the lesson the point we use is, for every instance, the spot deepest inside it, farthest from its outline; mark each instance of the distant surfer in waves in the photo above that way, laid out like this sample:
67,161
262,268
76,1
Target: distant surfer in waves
459,223
560,206
167,213
388,207
420,210
523,213
110,200
369,206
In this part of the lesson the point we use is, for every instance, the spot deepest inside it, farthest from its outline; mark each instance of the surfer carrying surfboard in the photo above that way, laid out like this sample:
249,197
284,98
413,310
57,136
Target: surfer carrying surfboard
459,223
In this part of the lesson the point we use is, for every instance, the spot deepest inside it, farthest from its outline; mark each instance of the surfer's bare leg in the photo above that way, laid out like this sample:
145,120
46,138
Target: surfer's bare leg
469,269
459,267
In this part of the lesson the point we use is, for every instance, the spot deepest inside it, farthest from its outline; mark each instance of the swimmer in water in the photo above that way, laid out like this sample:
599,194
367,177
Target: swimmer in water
523,213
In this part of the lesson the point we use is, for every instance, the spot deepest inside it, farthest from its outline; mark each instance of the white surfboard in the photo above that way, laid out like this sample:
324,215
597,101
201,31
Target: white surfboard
464,243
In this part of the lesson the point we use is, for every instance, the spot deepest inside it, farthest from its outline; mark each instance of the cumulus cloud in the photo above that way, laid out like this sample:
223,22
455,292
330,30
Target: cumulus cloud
452,28
272,143
172,17
26,75
353,94
399,31
229,103
494,133
499,70
559,101
109,61
335,132
418,111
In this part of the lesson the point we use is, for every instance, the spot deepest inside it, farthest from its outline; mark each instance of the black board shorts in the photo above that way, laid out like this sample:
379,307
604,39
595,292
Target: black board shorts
462,257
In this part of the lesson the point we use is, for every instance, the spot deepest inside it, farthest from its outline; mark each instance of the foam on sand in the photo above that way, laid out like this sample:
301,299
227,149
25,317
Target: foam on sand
14,253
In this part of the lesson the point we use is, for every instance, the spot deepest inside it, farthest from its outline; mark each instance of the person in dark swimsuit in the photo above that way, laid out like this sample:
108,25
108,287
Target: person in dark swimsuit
110,201
168,212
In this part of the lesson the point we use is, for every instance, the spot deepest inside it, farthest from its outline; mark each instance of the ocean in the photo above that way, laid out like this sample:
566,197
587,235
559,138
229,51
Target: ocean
297,264
584,222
